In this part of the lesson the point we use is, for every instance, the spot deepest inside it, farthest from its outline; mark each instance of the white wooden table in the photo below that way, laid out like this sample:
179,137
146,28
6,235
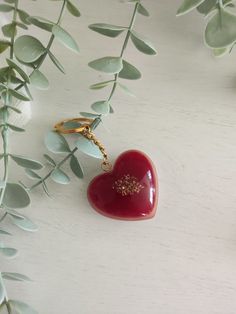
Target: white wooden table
184,260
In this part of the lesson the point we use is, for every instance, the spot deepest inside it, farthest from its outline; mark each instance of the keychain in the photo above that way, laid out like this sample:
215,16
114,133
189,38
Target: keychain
127,191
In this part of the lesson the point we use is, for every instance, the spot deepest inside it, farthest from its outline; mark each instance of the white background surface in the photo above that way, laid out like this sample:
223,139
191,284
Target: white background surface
184,260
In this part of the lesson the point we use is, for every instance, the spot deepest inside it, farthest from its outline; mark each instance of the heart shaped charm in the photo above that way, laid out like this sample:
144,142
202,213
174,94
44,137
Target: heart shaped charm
129,191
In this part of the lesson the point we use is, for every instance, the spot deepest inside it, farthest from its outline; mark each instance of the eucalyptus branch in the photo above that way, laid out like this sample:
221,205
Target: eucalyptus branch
56,142
14,195
220,21
48,47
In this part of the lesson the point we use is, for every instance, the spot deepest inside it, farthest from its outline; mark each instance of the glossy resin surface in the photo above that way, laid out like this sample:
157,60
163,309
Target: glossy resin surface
129,191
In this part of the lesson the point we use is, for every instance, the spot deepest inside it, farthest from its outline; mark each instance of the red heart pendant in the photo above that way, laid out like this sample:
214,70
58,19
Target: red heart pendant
129,191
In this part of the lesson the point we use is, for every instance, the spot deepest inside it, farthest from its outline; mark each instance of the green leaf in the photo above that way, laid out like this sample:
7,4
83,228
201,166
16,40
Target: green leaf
2,291
25,224
101,107
39,80
65,38
188,5
129,71
8,251
32,174
107,29
41,23
14,109
15,128
101,84
18,95
126,89
56,143
28,49
56,62
15,196
9,30
89,115
26,162
206,6
3,232
110,65
76,167
72,8
4,44
142,10
15,276
221,30
21,307
60,176
219,52
49,160
142,44
21,25
23,16
6,8
15,66
88,147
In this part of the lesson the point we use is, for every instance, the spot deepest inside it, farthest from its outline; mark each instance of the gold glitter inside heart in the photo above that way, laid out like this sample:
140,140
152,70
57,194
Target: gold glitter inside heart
127,185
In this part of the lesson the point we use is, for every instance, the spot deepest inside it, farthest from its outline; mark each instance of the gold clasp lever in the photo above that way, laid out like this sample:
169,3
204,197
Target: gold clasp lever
84,128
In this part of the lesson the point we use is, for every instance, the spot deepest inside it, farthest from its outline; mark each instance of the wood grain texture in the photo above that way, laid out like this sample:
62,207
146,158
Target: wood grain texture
184,117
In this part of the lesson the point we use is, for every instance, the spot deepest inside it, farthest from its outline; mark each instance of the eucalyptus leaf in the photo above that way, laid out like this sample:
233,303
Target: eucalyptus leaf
45,188
60,176
3,232
129,71
88,147
21,25
110,65
26,162
32,174
39,80
2,291
221,30
56,143
21,307
188,5
15,276
6,8
56,62
107,29
15,196
14,109
206,6
142,10
14,213
41,23
8,251
76,167
101,84
23,16
25,224
65,38
72,9
28,48
142,44
15,66
219,52
126,89
18,95
89,115
101,107
15,128
9,30
4,44
49,160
